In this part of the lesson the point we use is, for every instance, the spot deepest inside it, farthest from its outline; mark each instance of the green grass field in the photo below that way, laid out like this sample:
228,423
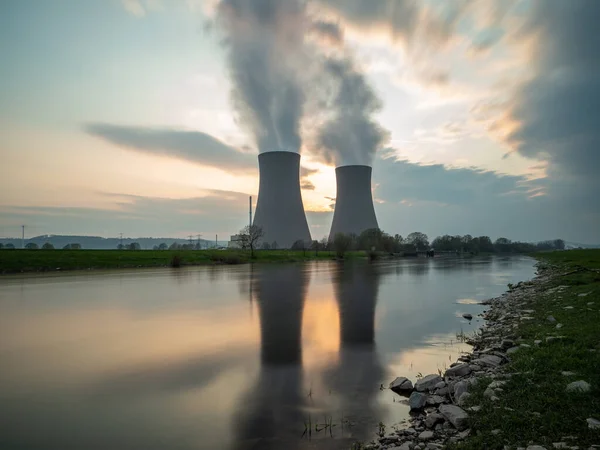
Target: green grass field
16,261
534,407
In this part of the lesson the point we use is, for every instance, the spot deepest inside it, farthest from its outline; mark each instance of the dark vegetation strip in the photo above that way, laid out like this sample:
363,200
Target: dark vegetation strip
17,261
534,407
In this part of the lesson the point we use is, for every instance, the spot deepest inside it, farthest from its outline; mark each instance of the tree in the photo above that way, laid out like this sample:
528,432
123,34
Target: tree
559,244
502,244
120,247
274,245
1,245
163,246
134,246
250,236
9,246
316,246
485,244
419,240
72,247
31,246
47,246
174,246
341,243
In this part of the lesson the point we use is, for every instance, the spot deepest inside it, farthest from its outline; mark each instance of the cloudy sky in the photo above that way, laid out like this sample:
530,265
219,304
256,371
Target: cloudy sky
145,117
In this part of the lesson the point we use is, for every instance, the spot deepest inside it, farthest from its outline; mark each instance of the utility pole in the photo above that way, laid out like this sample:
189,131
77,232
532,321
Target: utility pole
250,210
121,240
22,236
216,241
198,244
190,236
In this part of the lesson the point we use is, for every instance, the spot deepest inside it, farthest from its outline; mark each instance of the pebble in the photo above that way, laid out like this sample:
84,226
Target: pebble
426,435
578,386
593,424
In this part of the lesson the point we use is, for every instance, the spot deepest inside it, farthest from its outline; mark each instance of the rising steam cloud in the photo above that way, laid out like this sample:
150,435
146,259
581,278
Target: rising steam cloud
269,55
349,135
265,43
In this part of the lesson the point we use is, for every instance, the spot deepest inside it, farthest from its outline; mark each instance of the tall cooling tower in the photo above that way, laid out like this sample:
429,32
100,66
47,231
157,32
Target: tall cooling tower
279,210
354,211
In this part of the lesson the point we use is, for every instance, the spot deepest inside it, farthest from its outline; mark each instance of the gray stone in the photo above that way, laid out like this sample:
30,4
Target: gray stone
537,342
443,391
455,415
560,445
578,386
507,343
433,419
468,316
427,382
496,384
434,446
463,399
489,393
440,385
512,350
551,319
401,385
405,446
567,373
460,370
489,361
593,424
426,435
496,432
435,400
417,400
460,388
559,326
536,447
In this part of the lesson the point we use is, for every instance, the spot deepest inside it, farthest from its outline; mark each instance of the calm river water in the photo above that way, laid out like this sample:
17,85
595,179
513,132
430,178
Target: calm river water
233,357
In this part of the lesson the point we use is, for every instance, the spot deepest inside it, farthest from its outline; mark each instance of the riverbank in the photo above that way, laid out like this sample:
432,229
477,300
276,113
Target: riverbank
20,261
532,380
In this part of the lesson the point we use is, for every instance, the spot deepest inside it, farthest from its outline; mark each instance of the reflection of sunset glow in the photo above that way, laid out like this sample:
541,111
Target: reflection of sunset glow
436,354
69,343
321,331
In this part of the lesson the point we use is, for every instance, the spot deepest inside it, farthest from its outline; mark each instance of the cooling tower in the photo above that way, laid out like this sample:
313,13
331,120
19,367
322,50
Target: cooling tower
279,210
354,211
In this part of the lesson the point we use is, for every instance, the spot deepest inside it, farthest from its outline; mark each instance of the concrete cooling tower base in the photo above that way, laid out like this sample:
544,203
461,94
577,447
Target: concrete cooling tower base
279,210
354,211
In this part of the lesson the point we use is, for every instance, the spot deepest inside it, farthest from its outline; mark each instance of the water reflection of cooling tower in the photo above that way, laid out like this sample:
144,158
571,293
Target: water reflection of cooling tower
356,290
270,413
279,210
280,293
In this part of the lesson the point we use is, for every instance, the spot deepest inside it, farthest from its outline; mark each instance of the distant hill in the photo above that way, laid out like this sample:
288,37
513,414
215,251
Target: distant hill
100,243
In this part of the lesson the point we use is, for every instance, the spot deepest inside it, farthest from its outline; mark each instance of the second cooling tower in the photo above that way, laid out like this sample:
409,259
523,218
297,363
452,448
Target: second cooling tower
354,211
279,210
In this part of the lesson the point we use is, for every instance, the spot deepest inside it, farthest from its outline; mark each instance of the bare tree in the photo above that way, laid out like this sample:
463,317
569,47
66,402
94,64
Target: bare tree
250,236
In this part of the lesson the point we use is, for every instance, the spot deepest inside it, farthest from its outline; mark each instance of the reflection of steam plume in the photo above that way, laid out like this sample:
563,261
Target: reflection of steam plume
272,411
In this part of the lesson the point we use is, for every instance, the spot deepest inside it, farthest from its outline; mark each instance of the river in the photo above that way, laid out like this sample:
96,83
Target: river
230,357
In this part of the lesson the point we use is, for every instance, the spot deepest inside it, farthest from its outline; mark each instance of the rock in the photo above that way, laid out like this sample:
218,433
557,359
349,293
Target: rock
536,447
537,342
455,415
489,393
496,432
401,385
433,419
507,343
440,385
428,382
560,445
559,326
489,361
463,399
593,424
567,373
578,386
460,370
475,408
551,319
433,446
496,384
464,434
426,435
468,316
435,400
417,400
405,446
512,350
460,388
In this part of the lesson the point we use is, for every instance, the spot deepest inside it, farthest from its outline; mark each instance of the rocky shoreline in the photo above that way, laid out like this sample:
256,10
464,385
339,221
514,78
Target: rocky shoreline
440,406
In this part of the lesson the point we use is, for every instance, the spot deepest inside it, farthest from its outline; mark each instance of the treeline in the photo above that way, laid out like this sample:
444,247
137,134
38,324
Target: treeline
46,246
376,240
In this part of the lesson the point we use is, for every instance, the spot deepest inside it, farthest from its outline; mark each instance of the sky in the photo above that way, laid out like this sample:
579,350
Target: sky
145,117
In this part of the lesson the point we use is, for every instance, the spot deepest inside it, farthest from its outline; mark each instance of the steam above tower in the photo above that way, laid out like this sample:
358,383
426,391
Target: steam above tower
354,211
279,209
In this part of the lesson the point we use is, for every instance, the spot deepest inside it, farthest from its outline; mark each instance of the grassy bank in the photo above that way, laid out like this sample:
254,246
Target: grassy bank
534,407
16,261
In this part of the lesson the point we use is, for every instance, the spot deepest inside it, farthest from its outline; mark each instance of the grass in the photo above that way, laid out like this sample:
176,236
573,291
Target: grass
16,261
534,407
